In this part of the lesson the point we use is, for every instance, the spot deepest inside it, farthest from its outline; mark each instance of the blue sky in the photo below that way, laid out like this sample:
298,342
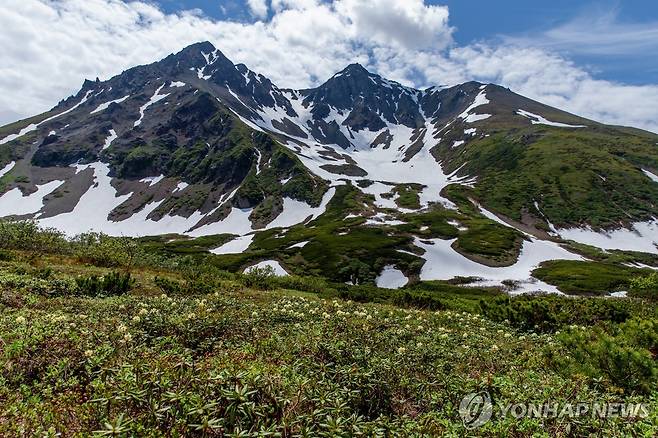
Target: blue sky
489,21
532,18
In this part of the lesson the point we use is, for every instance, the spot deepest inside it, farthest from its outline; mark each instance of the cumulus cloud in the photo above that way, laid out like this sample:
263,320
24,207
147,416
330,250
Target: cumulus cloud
258,8
49,46
408,23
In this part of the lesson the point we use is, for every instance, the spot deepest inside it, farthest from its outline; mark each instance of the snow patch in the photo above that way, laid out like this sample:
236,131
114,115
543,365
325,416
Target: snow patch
235,246
295,212
106,105
620,294
276,266
539,120
491,216
382,219
33,127
152,180
5,170
110,138
653,176
444,263
92,210
21,133
259,155
480,99
642,237
391,278
157,97
237,222
472,118
457,225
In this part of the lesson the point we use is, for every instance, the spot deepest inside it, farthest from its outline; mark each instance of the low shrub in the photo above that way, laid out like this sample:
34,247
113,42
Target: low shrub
303,284
48,287
100,249
549,313
624,355
168,286
646,286
260,278
112,284
402,297
29,236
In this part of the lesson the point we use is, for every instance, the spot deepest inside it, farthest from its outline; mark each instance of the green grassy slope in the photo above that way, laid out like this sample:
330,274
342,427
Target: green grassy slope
576,176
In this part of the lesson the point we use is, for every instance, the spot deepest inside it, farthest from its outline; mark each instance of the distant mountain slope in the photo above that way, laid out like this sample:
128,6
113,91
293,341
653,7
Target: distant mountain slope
197,145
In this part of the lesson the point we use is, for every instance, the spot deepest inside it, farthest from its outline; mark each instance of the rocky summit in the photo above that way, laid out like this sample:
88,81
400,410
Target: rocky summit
360,180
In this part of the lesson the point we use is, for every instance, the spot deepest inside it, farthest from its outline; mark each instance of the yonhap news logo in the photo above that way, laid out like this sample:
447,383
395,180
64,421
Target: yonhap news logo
476,409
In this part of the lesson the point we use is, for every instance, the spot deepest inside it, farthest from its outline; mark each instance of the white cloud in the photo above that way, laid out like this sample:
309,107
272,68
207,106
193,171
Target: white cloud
407,23
599,32
555,81
258,8
49,46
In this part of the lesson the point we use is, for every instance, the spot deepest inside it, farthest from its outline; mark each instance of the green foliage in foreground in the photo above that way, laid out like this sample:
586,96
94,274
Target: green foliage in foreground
625,354
175,346
251,364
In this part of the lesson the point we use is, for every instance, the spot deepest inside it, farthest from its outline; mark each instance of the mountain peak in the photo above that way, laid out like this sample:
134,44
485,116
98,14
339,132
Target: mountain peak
204,46
354,69
199,53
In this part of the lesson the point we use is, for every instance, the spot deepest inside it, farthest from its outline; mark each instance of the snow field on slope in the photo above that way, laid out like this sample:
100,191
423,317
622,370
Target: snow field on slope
157,97
235,246
110,138
106,105
642,236
651,175
444,263
14,202
94,206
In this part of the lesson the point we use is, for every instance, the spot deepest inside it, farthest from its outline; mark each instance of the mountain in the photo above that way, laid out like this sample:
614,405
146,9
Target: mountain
359,179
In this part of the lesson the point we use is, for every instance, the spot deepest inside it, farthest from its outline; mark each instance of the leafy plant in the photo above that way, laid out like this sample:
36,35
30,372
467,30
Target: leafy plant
112,284
259,278
550,313
647,285
624,355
